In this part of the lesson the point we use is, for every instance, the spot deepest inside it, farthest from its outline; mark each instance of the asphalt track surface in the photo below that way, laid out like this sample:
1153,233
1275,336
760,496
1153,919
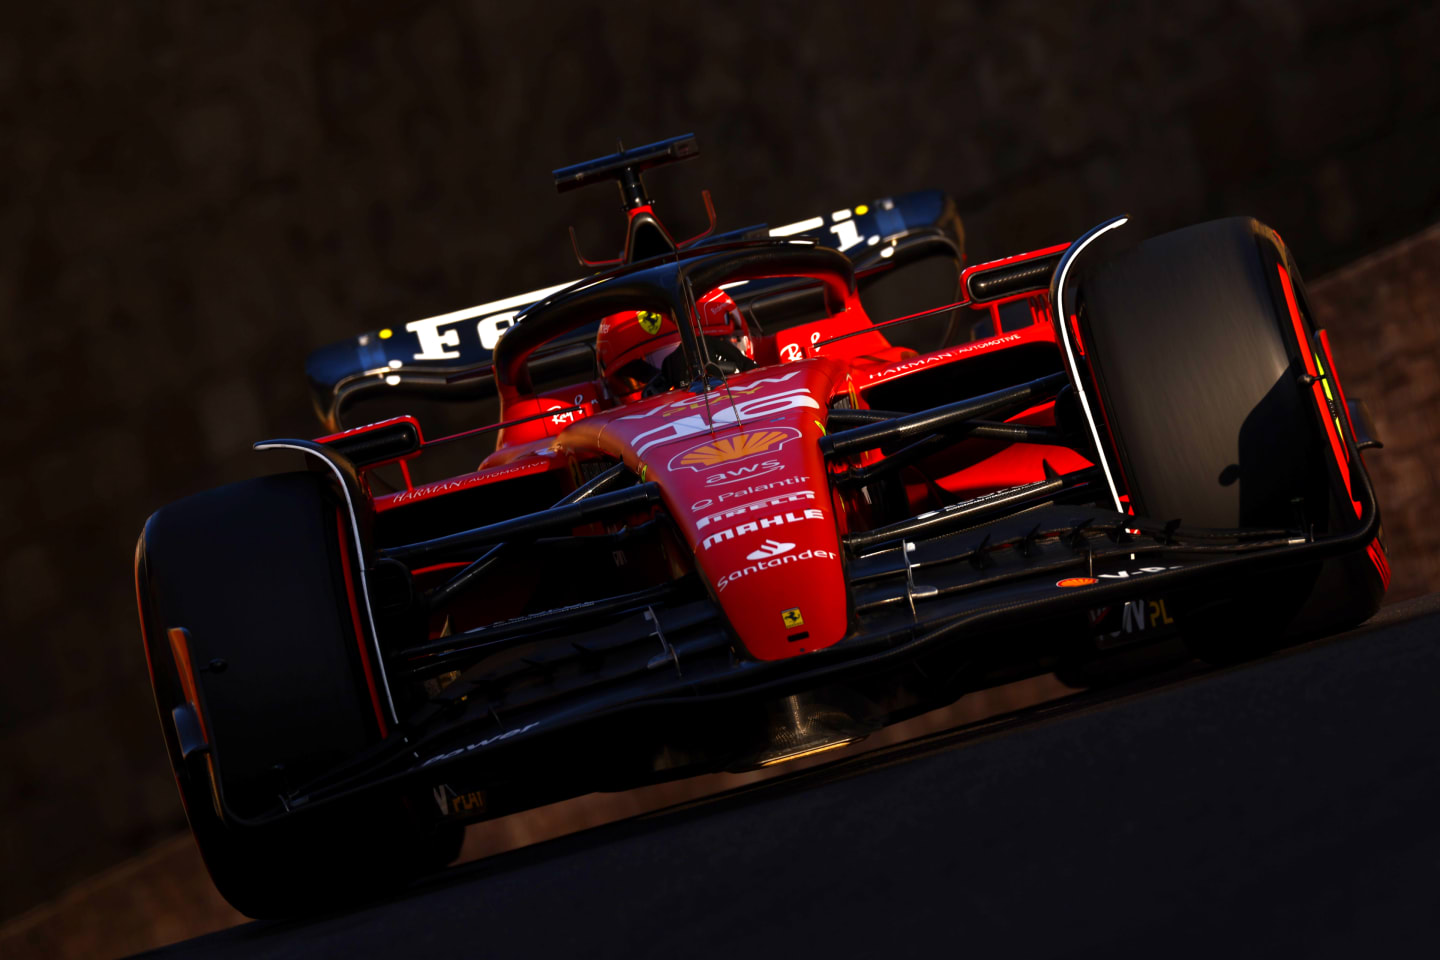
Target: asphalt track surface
1289,807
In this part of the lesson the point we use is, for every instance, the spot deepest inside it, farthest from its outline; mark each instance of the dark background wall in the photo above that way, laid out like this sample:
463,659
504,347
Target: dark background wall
194,196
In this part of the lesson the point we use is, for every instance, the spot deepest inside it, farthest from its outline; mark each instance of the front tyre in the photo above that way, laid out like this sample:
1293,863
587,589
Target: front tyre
1196,344
256,574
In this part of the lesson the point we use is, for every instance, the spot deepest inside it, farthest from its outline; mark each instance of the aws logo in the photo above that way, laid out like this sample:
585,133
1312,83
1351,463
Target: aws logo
741,446
744,472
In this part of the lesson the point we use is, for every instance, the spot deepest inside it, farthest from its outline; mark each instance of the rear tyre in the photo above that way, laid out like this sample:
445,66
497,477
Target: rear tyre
1194,355
255,573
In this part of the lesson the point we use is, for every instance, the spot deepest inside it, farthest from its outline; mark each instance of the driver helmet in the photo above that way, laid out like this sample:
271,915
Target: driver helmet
632,346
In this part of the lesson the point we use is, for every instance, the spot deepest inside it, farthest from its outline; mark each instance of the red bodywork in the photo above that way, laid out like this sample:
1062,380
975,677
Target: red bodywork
701,545
741,472
740,469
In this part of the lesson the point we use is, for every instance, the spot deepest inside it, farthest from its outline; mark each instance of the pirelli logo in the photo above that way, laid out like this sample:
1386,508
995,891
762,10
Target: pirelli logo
720,516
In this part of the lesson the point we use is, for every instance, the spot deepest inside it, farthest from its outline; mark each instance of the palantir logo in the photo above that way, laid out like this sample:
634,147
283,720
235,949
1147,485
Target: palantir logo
770,548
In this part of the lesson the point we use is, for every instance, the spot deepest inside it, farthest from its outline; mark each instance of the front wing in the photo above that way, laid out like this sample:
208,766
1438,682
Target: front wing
600,685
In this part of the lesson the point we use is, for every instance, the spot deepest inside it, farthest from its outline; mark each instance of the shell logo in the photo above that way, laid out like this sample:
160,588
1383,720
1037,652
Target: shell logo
748,443
733,448
1076,582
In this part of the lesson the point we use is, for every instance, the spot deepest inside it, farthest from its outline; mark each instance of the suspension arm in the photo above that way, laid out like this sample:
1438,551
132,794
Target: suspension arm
528,526
938,419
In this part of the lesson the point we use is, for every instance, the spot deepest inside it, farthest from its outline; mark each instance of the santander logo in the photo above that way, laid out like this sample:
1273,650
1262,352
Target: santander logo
770,548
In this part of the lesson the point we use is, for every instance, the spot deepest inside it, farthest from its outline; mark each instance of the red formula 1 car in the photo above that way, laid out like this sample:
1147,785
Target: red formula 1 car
733,514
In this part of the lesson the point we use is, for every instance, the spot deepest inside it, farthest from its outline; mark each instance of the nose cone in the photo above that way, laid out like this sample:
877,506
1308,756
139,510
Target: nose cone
770,550
744,478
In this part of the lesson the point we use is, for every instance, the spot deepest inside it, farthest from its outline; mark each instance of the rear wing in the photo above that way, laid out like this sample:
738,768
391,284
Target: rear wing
449,356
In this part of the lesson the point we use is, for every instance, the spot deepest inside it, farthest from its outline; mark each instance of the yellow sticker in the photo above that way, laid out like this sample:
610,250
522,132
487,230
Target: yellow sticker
1324,380
386,334
792,617
861,210
649,321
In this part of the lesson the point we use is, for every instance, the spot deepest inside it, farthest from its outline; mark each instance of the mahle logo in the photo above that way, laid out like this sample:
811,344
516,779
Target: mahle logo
765,523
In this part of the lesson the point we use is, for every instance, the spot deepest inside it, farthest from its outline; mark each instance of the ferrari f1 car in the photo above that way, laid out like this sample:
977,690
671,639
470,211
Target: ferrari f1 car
729,514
